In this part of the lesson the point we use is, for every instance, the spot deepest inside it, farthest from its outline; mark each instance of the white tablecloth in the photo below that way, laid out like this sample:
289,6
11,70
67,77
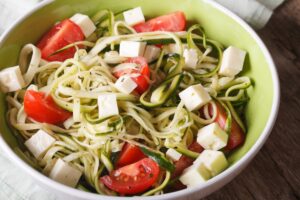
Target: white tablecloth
16,185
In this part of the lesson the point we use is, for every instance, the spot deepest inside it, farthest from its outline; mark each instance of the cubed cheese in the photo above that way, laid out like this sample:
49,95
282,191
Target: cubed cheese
195,175
107,105
232,61
39,143
190,58
134,16
65,173
194,97
212,137
151,53
33,87
214,161
68,123
85,23
173,154
125,84
11,79
132,48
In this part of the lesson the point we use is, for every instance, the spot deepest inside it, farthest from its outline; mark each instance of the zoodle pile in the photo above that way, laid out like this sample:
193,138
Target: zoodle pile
150,141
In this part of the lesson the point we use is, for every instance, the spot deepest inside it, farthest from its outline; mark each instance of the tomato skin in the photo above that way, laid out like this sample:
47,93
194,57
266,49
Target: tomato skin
141,77
134,178
172,22
237,136
43,109
60,35
185,161
129,154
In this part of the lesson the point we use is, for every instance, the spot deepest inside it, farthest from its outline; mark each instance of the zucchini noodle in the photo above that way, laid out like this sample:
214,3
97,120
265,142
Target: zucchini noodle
161,122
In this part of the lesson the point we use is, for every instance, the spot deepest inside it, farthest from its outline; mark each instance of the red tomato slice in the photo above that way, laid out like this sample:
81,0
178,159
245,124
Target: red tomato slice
129,154
134,178
43,109
184,161
172,22
237,136
62,34
141,75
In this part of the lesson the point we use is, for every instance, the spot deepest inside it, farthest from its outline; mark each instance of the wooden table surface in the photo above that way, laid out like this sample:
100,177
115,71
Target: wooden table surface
275,172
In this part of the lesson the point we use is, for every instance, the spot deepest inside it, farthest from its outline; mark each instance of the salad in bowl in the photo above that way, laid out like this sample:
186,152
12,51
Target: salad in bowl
119,105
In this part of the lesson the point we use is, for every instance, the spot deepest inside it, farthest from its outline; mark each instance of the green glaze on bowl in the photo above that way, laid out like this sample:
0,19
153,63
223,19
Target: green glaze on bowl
218,26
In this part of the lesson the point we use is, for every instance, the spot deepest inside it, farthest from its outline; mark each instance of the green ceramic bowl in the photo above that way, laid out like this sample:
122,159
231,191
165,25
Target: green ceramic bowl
219,23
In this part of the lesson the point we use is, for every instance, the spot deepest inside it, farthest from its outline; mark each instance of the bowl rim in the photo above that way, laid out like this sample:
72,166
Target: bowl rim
229,173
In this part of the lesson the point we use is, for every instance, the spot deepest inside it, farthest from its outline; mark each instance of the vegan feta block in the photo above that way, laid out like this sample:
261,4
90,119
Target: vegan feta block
132,48
39,143
65,173
190,58
134,16
212,137
194,97
85,23
151,53
173,154
125,84
214,161
107,105
232,62
195,175
11,79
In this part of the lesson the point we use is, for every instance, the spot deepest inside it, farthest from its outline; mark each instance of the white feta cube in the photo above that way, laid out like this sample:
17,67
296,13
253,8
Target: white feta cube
11,79
194,97
134,16
65,173
212,137
69,123
33,87
151,53
125,84
195,175
173,154
107,105
214,161
132,48
232,62
190,58
86,25
39,143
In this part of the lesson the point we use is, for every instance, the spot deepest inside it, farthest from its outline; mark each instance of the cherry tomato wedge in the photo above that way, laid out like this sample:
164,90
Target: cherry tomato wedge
42,108
129,154
134,178
172,22
140,75
62,34
185,161
237,136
